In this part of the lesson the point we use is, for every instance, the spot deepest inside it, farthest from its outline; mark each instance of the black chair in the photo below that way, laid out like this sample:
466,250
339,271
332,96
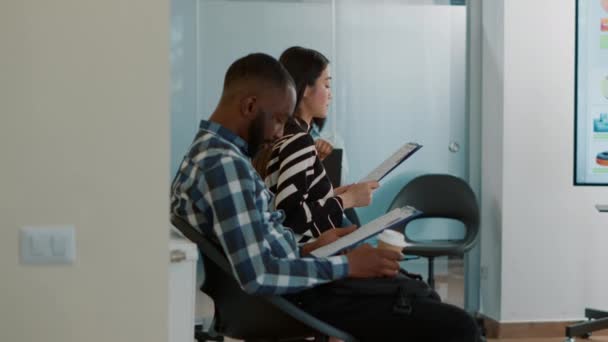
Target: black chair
352,216
333,167
243,316
440,196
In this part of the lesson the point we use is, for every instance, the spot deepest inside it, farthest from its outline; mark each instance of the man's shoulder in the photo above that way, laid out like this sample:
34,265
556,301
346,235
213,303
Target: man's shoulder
208,152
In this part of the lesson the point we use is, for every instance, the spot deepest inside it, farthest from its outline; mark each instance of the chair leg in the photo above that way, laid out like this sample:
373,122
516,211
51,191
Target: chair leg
431,278
201,336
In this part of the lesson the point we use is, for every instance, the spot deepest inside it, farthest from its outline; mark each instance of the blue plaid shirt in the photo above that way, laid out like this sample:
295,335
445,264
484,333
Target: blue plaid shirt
218,192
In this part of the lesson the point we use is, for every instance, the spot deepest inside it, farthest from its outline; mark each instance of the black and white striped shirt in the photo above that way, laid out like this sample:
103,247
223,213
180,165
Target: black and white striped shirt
296,176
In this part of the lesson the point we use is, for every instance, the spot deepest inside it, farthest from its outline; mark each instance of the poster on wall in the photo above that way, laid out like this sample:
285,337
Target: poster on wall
591,93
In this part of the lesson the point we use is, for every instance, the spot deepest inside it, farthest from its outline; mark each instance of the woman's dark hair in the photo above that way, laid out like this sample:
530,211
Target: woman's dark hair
305,66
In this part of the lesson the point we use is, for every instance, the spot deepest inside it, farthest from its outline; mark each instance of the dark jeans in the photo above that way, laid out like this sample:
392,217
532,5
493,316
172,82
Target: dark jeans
371,318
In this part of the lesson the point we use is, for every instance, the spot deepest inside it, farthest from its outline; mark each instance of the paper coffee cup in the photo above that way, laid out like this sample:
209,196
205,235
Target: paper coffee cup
390,239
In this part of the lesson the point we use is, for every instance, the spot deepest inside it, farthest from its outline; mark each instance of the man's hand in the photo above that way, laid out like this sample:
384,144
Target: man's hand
326,238
324,148
332,235
366,261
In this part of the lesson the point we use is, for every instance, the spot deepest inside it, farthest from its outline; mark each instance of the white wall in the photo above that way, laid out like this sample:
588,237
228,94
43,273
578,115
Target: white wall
84,140
553,256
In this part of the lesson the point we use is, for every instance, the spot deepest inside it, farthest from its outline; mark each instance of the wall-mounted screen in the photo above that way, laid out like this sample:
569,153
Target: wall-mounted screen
591,93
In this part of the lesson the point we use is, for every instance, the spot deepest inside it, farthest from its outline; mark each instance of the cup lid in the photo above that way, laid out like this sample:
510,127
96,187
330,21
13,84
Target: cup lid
392,238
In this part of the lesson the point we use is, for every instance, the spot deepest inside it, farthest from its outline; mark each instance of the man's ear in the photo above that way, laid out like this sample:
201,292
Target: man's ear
249,107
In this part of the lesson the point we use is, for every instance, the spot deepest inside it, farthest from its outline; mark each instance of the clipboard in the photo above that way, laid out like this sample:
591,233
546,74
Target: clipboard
392,219
403,153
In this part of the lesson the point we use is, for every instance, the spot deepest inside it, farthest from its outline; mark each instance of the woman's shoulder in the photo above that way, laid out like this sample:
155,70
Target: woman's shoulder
293,143
290,149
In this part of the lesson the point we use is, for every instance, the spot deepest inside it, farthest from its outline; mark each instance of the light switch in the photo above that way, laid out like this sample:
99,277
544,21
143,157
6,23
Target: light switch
37,245
48,244
58,246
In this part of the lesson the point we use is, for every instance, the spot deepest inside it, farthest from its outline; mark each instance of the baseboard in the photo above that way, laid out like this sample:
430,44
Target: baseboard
495,329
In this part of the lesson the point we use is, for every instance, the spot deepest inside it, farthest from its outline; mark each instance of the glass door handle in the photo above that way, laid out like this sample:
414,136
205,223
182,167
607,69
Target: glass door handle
454,147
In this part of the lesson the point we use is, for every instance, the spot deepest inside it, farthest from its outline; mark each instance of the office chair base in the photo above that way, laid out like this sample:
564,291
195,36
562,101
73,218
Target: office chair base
596,320
431,272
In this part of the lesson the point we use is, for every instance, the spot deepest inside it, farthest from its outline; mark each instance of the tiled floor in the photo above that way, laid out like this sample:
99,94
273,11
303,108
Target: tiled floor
553,339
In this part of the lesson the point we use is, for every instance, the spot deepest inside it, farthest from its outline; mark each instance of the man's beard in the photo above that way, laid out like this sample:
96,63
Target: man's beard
257,129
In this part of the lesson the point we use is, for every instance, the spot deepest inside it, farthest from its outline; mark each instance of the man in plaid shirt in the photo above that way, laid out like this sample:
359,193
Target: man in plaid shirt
218,192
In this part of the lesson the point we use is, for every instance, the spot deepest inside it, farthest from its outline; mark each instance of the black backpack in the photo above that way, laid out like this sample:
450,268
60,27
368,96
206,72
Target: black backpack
405,287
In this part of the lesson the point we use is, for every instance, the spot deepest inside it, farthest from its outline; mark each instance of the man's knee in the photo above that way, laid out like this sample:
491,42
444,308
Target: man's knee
468,326
460,324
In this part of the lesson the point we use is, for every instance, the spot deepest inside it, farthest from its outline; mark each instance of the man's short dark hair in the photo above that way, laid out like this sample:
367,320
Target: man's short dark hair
258,67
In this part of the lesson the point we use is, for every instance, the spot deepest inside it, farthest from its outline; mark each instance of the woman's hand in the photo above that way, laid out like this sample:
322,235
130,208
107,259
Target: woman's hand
324,148
340,190
358,194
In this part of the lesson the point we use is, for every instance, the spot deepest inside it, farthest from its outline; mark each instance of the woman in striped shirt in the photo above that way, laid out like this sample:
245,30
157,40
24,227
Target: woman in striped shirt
294,172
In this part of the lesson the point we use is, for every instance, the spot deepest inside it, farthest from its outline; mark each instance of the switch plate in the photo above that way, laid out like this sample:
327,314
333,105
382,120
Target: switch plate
48,244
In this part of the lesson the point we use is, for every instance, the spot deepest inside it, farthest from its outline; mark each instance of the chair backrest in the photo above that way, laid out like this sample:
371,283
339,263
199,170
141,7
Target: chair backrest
244,316
333,167
442,196
352,216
